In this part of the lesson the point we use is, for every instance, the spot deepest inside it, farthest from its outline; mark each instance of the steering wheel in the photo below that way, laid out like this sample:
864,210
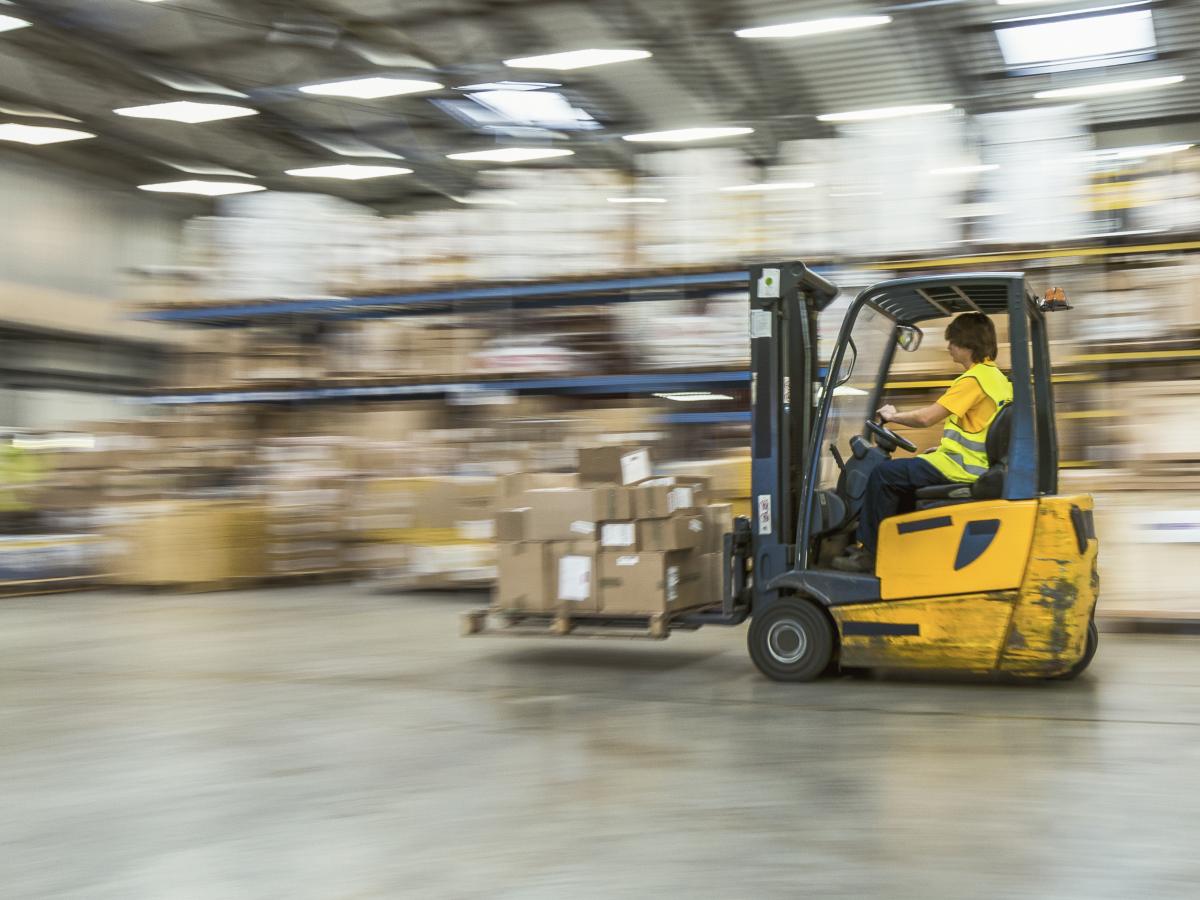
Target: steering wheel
885,436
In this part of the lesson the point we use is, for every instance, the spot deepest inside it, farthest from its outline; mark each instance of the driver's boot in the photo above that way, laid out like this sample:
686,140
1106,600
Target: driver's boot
855,559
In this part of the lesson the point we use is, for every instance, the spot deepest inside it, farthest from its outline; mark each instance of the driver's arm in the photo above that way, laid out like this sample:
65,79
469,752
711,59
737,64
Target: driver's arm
917,418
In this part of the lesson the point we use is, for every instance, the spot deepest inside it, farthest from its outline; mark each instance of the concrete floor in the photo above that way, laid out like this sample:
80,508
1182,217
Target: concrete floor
332,743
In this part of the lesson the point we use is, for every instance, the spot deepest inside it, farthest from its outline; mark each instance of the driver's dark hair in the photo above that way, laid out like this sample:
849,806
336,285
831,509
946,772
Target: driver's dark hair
974,332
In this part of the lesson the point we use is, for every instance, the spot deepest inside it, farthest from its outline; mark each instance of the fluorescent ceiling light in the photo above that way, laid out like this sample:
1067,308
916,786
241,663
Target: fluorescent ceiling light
371,88
12,23
546,109
575,59
202,188
508,86
768,186
692,396
682,135
193,168
637,199
965,170
187,111
1141,152
1100,37
483,201
813,26
885,112
348,172
38,135
1109,87
510,154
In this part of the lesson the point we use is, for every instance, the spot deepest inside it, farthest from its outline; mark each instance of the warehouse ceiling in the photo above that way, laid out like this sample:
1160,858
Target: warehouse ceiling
83,59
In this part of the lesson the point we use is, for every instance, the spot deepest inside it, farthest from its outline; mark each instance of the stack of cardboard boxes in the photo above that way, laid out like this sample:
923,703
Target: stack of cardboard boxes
612,540
416,533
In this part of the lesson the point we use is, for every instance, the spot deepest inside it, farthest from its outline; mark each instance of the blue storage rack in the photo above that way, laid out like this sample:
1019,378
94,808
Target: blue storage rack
594,384
564,293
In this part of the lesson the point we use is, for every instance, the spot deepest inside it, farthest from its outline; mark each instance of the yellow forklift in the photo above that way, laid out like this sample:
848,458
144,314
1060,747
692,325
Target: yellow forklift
994,576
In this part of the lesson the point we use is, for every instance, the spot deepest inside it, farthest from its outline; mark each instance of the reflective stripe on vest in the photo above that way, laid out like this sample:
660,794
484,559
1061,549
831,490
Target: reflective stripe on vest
962,455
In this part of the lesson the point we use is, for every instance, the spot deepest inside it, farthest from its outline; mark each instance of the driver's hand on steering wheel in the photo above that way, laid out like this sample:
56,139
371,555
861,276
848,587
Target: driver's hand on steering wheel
887,413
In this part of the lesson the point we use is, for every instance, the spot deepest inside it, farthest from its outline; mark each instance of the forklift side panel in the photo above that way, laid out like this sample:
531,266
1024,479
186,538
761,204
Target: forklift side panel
1058,596
958,548
963,632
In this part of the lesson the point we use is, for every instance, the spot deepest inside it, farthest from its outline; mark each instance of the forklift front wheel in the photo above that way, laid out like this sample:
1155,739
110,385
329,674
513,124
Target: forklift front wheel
1093,642
791,640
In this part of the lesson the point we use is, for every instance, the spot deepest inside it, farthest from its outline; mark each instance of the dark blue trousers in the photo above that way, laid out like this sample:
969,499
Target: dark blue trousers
892,490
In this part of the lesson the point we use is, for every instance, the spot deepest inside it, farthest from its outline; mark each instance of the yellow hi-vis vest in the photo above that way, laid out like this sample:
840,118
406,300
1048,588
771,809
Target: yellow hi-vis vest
962,454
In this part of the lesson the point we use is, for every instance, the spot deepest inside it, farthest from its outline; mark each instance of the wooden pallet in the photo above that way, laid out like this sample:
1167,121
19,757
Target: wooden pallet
516,623
38,586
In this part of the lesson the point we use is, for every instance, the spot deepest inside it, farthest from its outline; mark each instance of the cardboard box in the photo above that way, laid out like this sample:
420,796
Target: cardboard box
513,524
524,581
675,533
712,578
186,541
649,583
513,486
662,497
573,569
718,522
619,535
614,465
563,514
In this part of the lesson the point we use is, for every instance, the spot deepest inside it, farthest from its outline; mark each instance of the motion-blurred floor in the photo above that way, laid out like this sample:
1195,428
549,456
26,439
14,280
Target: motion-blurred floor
334,743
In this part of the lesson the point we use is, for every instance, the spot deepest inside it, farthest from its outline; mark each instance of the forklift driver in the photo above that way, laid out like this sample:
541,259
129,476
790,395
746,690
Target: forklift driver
971,403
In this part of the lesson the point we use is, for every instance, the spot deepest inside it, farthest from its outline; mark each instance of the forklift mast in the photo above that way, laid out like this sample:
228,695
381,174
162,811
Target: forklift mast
785,300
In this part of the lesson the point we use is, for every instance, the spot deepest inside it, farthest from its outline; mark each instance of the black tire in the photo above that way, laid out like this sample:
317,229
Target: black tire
1089,650
792,640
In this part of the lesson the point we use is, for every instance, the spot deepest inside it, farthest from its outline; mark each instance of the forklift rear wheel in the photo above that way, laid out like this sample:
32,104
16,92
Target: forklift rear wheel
791,641
1093,642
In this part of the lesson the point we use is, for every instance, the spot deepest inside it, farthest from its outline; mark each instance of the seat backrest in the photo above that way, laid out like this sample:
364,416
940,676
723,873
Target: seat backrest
998,434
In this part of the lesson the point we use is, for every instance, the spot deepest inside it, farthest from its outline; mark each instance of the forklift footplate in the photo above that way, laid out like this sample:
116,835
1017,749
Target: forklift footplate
510,623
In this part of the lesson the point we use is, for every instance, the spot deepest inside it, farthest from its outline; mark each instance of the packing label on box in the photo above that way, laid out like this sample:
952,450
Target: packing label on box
575,578
672,584
627,560
696,524
682,497
477,529
618,534
582,527
635,466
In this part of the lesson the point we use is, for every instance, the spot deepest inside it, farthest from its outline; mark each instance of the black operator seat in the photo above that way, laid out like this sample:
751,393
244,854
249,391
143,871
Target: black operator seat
989,485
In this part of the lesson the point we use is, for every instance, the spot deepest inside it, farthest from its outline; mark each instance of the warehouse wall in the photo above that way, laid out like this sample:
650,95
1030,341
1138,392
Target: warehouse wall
74,233
66,243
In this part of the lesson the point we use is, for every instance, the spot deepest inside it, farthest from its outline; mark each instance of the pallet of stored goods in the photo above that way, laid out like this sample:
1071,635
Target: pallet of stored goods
428,532
616,551
44,563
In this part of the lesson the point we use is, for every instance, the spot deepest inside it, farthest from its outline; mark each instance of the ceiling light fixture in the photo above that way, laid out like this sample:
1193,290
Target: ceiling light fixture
1092,38
202,188
12,23
348,172
186,111
576,59
813,27
371,88
692,396
38,135
510,154
768,186
637,199
885,112
507,86
965,170
546,109
1140,152
1108,88
683,135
